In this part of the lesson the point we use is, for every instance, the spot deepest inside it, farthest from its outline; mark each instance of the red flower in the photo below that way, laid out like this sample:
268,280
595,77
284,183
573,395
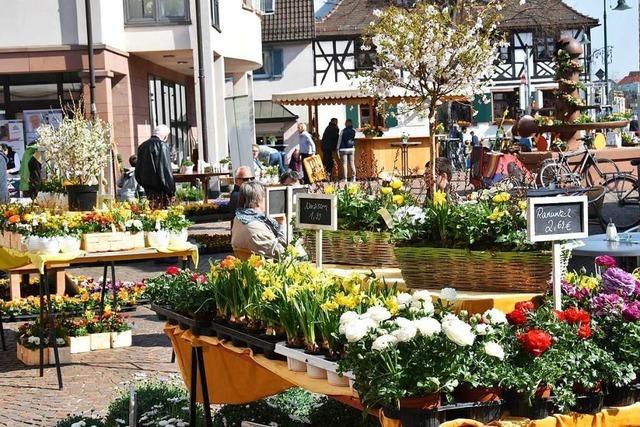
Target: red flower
575,316
606,261
535,341
525,306
198,278
517,317
173,271
584,331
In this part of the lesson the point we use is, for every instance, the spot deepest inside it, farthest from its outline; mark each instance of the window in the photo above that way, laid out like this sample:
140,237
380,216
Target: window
545,47
149,12
365,58
272,64
215,14
506,101
168,105
268,7
505,55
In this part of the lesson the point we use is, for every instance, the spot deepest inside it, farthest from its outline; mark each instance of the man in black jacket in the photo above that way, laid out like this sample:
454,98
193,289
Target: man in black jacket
153,171
330,145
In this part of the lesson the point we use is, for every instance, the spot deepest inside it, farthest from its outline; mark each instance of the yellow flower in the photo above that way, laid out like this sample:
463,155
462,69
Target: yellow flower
522,204
440,198
386,190
354,188
329,189
570,277
496,215
292,251
329,306
501,197
348,301
268,295
588,282
396,184
392,304
255,261
398,199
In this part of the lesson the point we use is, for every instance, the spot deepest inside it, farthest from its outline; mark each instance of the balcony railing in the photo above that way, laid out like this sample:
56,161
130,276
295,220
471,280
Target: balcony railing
156,12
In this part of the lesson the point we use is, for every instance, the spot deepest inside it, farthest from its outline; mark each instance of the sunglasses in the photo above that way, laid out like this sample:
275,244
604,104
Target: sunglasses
248,179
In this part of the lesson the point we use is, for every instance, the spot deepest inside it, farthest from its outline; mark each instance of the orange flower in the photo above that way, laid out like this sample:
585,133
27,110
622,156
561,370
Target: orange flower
14,219
229,262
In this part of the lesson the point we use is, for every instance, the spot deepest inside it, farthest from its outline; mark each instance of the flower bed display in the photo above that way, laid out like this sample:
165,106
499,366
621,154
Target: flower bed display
475,245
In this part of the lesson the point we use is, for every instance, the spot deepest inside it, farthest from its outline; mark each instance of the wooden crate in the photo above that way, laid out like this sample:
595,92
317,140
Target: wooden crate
138,240
31,357
11,240
107,242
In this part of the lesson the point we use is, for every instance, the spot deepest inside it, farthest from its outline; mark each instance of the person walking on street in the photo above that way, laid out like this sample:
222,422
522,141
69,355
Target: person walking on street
330,145
347,150
153,171
475,141
306,146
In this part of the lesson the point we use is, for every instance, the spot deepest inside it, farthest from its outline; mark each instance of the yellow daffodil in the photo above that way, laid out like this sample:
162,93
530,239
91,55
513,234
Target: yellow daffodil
396,184
329,306
292,251
439,198
501,197
496,215
329,189
348,301
386,190
353,188
255,261
392,304
522,204
268,295
588,282
398,199
570,277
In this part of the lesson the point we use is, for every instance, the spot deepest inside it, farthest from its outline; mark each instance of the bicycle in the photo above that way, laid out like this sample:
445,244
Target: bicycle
556,173
621,199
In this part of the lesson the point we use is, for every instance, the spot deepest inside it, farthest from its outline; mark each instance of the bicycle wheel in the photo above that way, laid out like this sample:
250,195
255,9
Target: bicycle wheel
599,172
557,175
620,202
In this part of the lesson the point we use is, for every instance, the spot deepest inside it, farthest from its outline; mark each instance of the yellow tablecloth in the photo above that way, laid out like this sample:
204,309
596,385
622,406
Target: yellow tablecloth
195,255
235,375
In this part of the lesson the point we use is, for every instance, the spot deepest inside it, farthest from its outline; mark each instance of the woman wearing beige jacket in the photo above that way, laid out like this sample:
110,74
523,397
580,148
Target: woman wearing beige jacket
253,232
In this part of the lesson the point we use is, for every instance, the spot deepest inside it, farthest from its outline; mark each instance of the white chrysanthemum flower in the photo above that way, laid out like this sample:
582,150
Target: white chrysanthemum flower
494,349
458,331
449,294
348,316
402,321
378,313
404,300
483,329
383,342
494,316
428,326
405,333
356,330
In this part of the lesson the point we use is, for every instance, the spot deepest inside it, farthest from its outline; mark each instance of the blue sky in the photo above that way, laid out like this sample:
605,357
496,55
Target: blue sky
622,34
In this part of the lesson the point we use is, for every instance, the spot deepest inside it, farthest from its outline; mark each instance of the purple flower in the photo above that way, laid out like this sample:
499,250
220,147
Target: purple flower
606,261
618,281
606,304
573,292
631,312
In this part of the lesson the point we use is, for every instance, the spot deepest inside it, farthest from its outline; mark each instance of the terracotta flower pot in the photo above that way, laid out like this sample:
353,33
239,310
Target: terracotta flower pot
466,393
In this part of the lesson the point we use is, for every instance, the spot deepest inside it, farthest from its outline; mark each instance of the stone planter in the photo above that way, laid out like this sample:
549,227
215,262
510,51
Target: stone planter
101,341
80,344
121,339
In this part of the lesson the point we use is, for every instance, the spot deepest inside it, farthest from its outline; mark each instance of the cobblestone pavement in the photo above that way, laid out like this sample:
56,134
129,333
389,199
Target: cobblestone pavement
90,382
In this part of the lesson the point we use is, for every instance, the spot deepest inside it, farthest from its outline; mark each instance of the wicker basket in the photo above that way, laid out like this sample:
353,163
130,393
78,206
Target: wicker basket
480,271
354,247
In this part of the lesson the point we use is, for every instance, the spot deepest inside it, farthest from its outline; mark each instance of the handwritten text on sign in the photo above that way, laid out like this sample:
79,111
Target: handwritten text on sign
316,211
557,218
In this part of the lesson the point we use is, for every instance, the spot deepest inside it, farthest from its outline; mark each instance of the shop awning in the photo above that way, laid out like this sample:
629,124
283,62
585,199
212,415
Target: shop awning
269,112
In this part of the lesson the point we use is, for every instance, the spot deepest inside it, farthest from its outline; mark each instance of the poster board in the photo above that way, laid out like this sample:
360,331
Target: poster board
33,119
12,134
314,169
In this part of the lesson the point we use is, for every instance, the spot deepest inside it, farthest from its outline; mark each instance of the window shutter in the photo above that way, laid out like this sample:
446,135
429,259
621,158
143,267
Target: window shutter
277,62
353,113
392,119
484,110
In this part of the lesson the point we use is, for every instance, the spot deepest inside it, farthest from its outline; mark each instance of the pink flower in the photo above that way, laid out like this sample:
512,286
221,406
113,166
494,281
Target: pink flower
631,312
606,261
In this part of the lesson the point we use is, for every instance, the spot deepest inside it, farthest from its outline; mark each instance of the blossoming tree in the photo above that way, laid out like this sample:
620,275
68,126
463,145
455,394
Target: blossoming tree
433,52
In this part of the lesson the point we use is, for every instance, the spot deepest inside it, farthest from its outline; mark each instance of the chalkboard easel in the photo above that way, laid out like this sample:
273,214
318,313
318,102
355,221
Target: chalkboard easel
316,212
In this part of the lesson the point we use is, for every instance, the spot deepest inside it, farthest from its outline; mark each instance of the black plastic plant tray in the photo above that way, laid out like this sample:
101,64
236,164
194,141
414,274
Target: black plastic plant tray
198,327
480,411
244,339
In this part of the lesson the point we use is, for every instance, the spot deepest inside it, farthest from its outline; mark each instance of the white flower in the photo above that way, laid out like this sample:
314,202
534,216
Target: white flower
428,326
348,316
404,300
422,300
383,342
494,316
483,329
356,330
378,313
406,332
60,341
494,349
448,294
458,331
402,322
34,340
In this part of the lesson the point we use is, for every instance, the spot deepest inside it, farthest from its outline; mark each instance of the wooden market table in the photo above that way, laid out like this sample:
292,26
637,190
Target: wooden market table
385,153
203,177
226,374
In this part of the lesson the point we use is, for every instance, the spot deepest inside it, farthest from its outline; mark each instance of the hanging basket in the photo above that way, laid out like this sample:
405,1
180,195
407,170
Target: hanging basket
479,271
368,248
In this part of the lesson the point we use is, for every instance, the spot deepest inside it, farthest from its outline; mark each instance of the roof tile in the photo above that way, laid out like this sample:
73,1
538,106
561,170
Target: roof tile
293,20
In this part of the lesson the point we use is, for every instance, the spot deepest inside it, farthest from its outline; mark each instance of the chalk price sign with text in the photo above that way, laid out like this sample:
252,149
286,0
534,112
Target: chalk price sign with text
316,212
557,219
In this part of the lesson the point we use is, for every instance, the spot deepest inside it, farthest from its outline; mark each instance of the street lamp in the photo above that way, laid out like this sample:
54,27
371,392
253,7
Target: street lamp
622,5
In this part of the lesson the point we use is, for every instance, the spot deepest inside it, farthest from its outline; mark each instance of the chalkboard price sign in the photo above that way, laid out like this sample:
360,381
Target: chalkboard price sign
557,218
276,200
316,212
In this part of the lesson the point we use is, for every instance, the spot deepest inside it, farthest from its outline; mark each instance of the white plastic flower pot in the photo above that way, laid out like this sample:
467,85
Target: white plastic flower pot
69,244
101,341
158,239
315,372
64,355
296,365
178,240
121,339
80,344
34,244
45,245
337,380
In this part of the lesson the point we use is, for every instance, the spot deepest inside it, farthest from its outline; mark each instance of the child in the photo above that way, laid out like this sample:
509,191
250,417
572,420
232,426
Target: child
129,187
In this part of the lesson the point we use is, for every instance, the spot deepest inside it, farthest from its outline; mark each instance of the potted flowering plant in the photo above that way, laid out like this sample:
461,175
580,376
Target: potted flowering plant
119,328
187,166
176,226
99,334
79,341
80,149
